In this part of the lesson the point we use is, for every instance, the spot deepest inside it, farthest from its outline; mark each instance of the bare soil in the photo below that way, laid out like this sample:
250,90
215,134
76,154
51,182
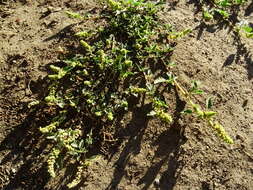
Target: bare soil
151,155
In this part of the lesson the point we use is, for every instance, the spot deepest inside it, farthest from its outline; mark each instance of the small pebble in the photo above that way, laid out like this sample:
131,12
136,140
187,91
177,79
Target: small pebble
157,181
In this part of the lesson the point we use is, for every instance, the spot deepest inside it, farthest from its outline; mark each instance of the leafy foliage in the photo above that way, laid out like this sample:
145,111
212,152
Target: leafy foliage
128,58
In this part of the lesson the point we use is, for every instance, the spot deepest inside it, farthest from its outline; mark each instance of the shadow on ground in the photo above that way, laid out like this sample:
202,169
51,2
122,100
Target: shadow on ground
27,150
24,152
242,54
167,154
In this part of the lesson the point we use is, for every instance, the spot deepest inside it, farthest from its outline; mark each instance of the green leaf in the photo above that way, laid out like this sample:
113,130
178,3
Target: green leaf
33,103
86,46
171,64
186,31
74,15
197,91
159,103
209,114
224,3
175,35
98,113
195,85
83,34
110,116
87,83
127,74
188,111
165,116
81,144
223,13
55,68
207,15
250,35
247,29
209,103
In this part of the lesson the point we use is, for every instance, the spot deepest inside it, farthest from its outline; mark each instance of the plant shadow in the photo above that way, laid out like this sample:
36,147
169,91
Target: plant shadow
167,154
25,146
134,131
243,53
242,56
249,9
25,150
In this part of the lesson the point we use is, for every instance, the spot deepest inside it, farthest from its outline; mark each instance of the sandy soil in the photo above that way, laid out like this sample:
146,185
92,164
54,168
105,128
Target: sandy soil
151,155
